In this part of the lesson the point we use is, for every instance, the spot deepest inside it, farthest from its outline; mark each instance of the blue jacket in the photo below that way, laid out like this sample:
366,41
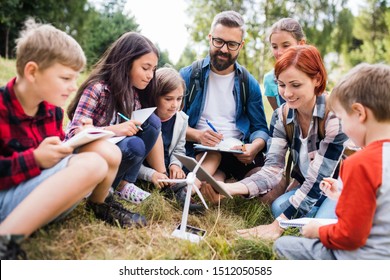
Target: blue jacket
251,123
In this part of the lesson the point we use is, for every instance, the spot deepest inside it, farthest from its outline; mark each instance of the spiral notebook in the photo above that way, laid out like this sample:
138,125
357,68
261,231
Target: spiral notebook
304,221
88,135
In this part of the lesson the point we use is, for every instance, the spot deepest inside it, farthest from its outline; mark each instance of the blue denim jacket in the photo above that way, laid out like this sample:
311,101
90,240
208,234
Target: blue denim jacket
251,123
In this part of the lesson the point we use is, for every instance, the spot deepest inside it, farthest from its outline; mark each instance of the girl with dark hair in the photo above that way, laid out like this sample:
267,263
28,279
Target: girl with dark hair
122,81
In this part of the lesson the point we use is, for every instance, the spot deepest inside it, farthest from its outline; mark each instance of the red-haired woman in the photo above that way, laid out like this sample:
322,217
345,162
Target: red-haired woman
302,79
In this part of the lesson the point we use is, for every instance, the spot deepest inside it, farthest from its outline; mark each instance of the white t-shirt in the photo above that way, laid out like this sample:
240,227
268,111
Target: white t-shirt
303,157
220,106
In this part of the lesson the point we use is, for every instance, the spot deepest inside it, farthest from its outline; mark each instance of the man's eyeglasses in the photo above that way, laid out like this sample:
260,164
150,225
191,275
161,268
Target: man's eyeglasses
219,43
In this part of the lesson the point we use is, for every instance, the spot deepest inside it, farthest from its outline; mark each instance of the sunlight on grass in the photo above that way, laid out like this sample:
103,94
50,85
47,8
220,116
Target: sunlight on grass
81,236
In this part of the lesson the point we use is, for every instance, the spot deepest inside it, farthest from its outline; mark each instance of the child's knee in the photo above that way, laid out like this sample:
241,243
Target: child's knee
110,152
92,164
134,146
154,121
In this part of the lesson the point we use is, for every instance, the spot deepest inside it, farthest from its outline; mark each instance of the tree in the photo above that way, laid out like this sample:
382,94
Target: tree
67,15
102,29
187,57
371,27
8,14
318,19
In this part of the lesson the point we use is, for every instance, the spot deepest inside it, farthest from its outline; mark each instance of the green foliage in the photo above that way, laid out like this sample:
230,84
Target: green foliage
188,56
102,29
372,30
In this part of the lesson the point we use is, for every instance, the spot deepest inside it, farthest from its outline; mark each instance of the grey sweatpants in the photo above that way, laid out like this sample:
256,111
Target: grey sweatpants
301,248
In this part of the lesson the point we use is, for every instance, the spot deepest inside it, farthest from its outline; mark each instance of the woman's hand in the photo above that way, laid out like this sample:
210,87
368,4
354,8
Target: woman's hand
271,231
209,193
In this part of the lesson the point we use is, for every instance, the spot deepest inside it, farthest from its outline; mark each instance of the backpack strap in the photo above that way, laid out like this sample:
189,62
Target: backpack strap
321,122
196,82
289,128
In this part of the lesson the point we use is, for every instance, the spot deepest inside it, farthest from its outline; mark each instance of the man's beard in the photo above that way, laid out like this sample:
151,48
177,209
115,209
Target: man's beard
221,65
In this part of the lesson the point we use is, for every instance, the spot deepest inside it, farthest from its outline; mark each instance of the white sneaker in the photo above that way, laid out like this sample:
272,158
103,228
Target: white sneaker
132,193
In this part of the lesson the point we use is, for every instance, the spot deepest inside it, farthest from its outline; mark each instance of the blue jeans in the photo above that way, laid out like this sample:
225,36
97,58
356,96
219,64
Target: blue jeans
135,149
324,208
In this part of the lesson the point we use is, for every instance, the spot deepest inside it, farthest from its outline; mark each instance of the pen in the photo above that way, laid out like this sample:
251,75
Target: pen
211,126
127,119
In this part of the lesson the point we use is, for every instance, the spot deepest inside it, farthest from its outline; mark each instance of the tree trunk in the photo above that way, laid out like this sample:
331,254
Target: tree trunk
6,42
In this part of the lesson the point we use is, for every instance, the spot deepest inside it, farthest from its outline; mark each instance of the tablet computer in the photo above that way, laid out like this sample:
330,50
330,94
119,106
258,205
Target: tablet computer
202,174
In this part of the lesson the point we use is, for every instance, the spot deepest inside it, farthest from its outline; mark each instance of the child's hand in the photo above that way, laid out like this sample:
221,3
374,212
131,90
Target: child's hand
50,151
329,188
311,230
175,172
128,128
85,122
156,176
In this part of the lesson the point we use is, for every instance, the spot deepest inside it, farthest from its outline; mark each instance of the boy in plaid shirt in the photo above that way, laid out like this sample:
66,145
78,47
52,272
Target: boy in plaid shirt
40,179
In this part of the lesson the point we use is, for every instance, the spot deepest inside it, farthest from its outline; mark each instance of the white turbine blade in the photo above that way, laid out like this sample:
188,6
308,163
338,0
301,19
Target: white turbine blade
172,180
199,163
200,196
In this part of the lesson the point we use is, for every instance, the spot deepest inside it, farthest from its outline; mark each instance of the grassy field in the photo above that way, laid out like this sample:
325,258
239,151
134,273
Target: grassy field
80,236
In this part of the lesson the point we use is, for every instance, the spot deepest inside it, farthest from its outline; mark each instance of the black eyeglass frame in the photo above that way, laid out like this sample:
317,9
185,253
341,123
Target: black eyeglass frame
236,45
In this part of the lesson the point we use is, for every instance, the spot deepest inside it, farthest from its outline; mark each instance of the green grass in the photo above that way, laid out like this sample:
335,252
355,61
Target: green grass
80,236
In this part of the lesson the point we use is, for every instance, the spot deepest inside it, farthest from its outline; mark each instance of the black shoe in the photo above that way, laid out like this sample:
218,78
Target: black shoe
114,213
10,247
179,192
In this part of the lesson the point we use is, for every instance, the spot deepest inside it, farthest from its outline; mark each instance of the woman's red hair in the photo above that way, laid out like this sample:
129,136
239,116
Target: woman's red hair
307,59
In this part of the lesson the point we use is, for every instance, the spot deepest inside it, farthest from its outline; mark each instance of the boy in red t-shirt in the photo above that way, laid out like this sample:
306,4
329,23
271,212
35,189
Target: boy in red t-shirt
361,100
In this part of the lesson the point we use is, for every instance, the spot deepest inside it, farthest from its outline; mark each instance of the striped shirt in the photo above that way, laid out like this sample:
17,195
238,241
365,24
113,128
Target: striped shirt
324,155
20,134
93,104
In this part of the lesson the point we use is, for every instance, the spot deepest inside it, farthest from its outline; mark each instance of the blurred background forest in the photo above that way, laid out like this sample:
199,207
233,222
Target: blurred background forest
344,39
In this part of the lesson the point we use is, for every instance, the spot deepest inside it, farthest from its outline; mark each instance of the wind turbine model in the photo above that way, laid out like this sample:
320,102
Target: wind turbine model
193,234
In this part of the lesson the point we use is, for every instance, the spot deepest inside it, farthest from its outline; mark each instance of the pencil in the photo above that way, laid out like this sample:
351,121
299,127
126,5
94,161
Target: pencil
127,119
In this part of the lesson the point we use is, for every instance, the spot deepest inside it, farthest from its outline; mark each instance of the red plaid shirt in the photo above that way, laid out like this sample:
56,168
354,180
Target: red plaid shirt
21,134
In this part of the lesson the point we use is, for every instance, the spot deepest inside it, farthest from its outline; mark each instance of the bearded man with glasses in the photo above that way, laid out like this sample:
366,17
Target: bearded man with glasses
218,110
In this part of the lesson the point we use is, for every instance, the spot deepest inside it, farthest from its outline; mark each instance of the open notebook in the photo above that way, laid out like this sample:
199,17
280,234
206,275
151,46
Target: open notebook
225,145
140,115
304,221
88,135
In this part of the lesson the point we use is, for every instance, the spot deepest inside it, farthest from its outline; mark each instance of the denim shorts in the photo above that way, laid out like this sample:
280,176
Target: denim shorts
12,197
